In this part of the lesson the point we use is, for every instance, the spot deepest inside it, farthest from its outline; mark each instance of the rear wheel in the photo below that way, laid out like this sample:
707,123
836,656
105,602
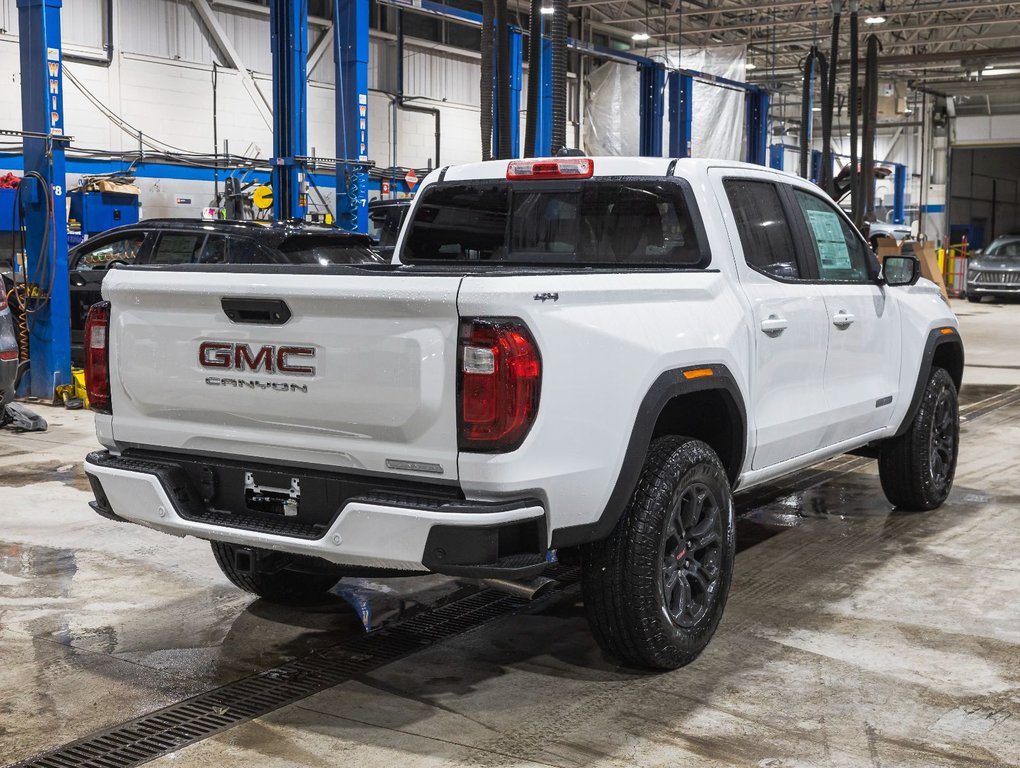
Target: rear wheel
655,589
973,298
917,468
282,585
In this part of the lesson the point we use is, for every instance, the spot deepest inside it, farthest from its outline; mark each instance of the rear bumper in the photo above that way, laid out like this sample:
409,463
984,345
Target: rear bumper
458,538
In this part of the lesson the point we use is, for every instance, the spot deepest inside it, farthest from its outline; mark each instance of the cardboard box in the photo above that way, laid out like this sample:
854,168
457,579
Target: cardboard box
106,185
925,253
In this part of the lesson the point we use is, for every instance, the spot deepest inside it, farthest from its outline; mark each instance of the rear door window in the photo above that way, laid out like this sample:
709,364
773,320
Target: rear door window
325,250
765,233
592,223
122,250
177,248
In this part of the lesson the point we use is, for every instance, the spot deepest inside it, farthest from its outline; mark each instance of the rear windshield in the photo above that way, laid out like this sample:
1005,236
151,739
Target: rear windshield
325,250
591,223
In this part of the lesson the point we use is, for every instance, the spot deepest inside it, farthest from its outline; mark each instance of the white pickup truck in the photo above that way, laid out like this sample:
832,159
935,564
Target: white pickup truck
575,355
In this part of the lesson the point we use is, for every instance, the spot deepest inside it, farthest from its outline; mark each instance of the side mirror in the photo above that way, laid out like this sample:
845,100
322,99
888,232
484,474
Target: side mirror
901,270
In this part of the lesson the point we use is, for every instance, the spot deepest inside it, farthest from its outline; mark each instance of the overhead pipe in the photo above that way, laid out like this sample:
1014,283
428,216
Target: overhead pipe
101,61
404,103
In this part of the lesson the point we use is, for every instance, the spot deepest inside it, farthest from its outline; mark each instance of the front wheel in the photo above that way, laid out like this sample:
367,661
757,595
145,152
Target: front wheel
655,589
917,468
285,586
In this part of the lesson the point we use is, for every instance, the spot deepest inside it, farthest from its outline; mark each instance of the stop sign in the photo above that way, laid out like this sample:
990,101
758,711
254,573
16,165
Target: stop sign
411,178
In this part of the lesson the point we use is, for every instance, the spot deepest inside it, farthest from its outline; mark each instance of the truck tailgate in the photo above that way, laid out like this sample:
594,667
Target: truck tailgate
361,376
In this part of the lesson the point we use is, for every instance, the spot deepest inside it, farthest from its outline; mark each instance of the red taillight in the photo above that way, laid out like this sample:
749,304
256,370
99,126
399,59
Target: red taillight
97,357
554,168
500,379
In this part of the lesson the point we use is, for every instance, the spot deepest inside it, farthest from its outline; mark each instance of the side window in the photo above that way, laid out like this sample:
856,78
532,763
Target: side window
215,250
121,251
839,251
177,248
765,234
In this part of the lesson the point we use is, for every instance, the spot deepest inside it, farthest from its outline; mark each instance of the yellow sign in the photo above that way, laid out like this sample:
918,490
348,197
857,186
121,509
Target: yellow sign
263,197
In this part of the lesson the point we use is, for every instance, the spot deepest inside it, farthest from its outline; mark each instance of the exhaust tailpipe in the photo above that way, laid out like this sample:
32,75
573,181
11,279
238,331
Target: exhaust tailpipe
529,589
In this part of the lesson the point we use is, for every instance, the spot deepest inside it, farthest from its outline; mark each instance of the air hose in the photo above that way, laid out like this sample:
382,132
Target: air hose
534,75
505,148
486,81
825,179
806,116
855,176
558,36
870,120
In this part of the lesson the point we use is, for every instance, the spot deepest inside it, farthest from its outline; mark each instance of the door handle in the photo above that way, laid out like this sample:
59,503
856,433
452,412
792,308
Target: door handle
774,325
843,319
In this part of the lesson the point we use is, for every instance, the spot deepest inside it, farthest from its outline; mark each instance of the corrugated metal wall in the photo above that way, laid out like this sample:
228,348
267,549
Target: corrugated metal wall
170,29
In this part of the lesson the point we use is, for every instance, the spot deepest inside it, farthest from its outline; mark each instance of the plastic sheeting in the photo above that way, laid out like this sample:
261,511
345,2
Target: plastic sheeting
611,124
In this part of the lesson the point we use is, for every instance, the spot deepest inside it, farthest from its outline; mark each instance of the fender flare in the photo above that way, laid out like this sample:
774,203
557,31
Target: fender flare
937,337
670,384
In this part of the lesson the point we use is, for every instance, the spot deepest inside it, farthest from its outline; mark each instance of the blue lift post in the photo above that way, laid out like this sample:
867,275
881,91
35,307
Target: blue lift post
899,193
681,89
350,55
543,129
650,102
777,156
288,23
816,166
42,108
757,119
516,78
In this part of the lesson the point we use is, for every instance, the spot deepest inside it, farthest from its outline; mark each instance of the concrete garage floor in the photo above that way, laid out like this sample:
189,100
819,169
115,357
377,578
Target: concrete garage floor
854,636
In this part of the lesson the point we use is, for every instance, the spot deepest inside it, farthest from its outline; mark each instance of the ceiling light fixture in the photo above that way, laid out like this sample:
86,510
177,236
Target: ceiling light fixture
547,10
875,20
749,66
640,36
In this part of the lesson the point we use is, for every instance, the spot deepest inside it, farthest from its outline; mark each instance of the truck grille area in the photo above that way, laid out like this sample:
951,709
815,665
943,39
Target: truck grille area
220,492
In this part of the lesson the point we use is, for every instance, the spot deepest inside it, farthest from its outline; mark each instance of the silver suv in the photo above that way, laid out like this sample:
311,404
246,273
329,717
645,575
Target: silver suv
995,271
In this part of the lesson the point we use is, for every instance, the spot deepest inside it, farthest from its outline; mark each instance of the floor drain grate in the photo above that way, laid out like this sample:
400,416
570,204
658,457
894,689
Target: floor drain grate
167,730
150,736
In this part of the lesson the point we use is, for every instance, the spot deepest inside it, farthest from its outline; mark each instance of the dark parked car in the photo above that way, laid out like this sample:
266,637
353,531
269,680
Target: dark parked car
196,241
8,352
995,271
384,220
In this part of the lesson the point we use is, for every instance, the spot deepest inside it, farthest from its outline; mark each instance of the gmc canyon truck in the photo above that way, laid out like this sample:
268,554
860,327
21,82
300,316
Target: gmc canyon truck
583,356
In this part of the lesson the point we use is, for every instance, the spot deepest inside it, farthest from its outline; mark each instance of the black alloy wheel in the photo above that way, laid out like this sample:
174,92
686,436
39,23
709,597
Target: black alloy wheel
942,442
691,555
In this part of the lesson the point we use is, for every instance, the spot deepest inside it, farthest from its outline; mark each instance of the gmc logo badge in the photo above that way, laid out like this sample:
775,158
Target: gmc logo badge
269,358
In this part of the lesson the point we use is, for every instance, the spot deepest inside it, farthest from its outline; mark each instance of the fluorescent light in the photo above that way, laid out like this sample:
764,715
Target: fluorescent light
875,20
816,109
749,66
640,36
547,10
